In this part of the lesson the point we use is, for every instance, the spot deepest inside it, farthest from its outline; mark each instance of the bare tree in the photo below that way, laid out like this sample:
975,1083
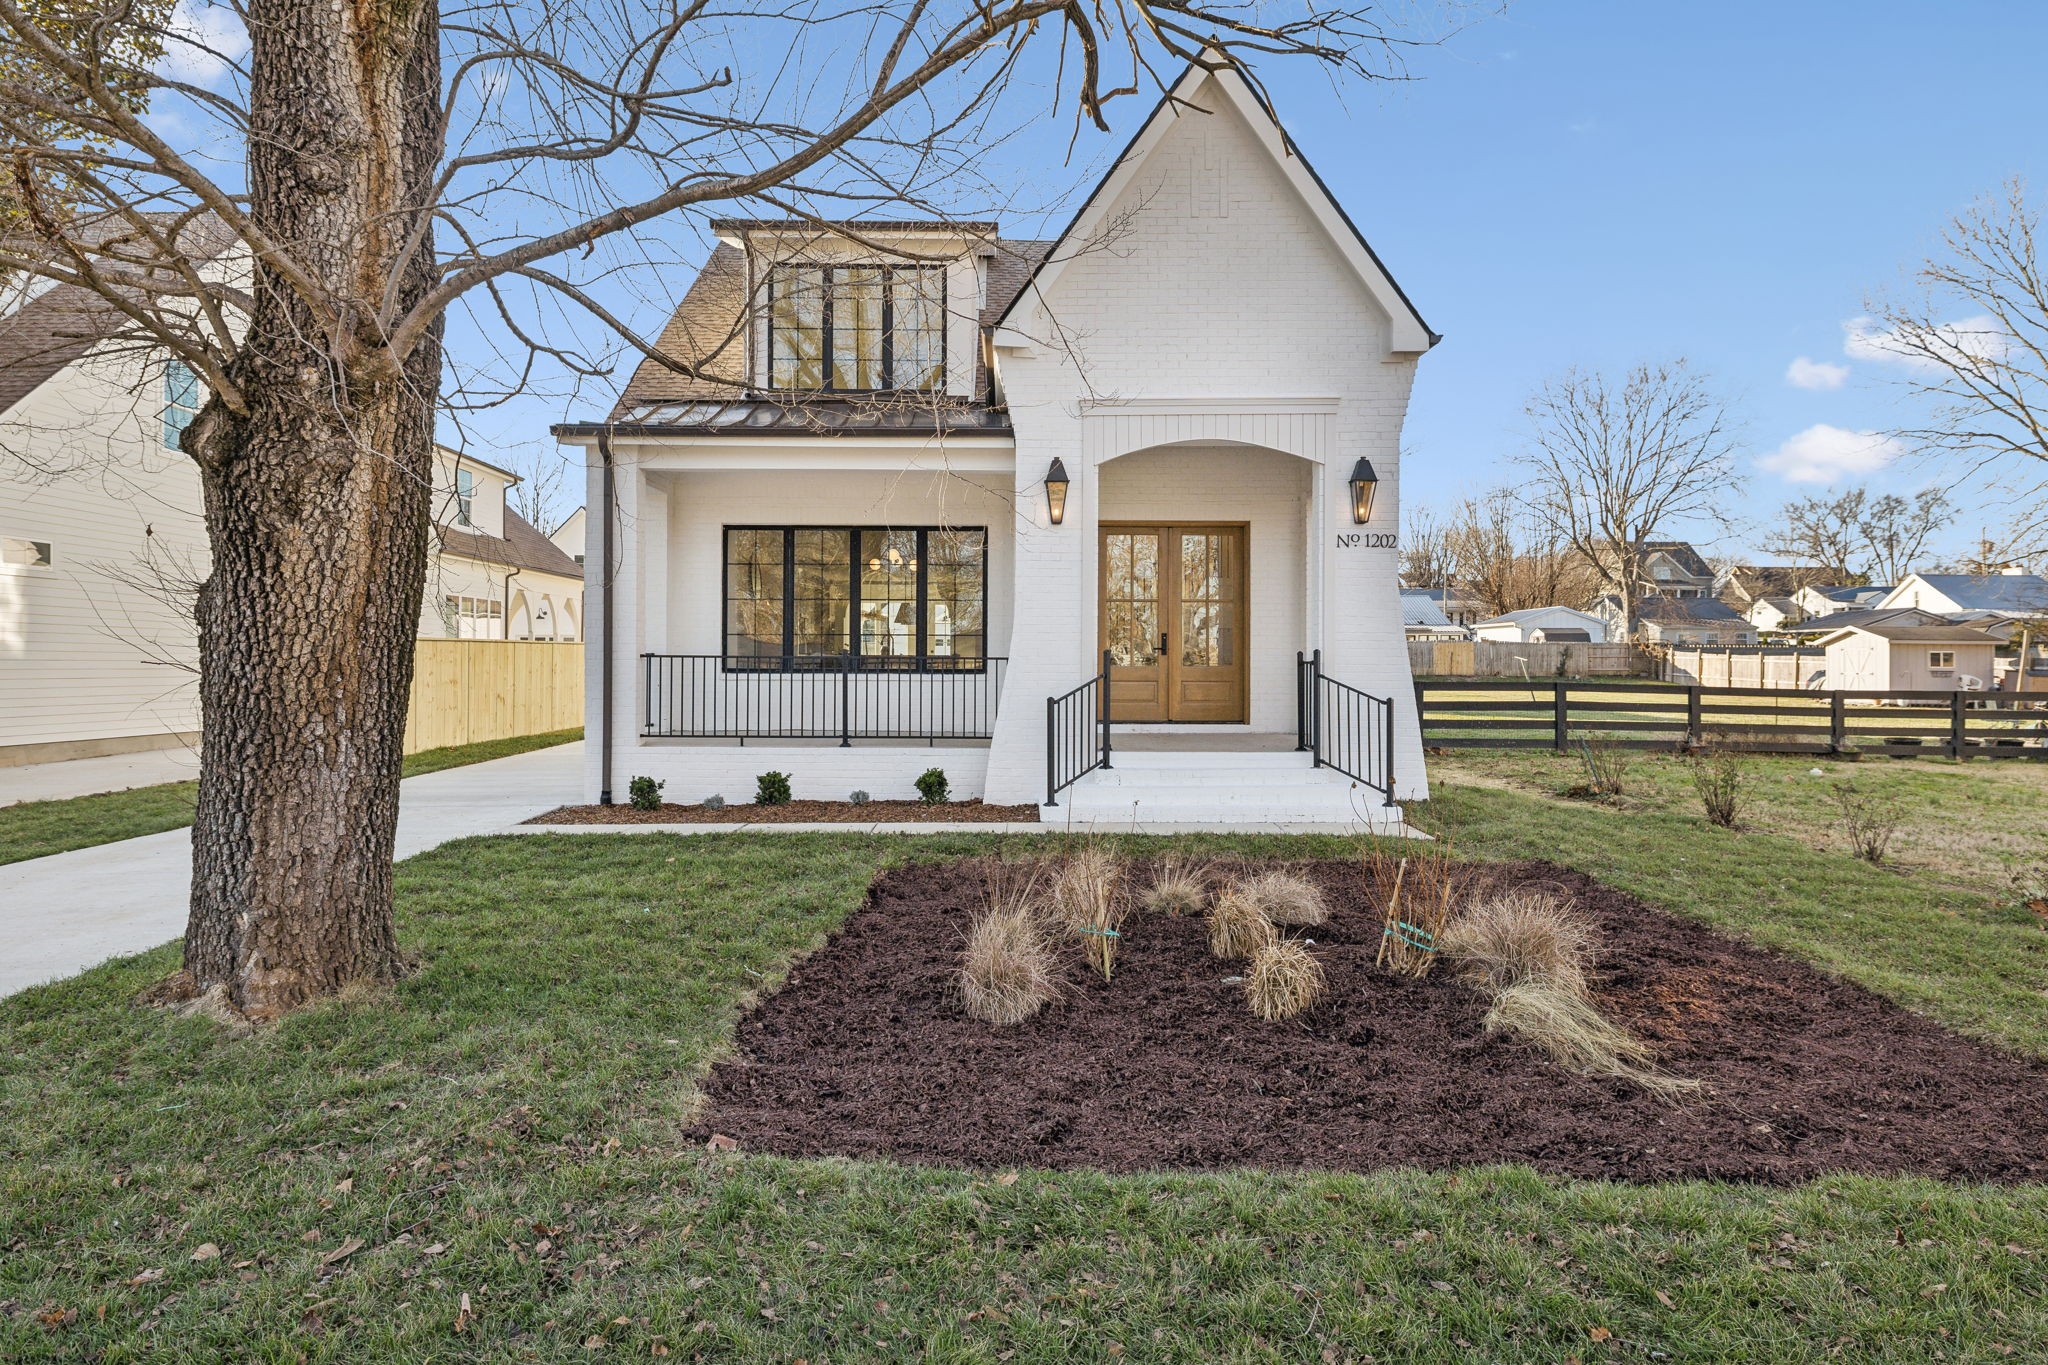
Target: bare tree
1610,467
298,235
1879,539
1820,531
1427,560
1513,559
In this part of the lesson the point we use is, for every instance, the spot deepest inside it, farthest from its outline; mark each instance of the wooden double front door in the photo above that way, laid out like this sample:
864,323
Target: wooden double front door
1173,621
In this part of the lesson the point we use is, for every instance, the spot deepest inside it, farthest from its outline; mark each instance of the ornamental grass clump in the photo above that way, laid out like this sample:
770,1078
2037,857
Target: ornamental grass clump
1569,1027
1007,973
1178,888
1085,901
1419,906
1237,927
1517,936
1284,979
1286,899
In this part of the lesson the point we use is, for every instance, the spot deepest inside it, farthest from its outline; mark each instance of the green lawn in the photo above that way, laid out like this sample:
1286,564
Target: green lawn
504,1126
34,829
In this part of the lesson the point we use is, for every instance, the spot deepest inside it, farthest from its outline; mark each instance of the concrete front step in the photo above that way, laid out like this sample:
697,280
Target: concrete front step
1219,788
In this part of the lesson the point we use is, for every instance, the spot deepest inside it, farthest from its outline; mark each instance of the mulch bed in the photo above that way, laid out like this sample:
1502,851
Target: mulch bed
792,812
866,1052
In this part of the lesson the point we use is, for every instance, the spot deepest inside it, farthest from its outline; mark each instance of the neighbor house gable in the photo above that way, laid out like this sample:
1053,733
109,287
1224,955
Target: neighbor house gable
1201,93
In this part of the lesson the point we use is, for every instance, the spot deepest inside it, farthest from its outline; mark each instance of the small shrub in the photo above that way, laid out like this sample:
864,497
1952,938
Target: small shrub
714,802
1178,888
1007,971
932,787
1237,927
859,797
1517,936
1606,764
644,793
1567,1026
1717,777
1869,820
1286,899
771,789
1283,980
1085,901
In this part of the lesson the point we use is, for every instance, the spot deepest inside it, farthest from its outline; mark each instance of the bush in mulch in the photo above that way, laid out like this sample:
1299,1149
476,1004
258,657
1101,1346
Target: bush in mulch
866,1052
791,812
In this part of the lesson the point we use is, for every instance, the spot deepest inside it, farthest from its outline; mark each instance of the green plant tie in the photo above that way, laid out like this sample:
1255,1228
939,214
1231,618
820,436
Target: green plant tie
1412,935
1106,933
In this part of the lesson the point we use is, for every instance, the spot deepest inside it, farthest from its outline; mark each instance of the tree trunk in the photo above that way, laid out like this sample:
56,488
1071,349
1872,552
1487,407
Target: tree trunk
317,502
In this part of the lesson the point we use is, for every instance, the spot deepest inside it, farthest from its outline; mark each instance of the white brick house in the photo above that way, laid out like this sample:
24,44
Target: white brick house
838,549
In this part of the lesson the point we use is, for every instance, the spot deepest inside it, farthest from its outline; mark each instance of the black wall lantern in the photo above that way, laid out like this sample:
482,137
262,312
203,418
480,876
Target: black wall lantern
1363,484
1056,492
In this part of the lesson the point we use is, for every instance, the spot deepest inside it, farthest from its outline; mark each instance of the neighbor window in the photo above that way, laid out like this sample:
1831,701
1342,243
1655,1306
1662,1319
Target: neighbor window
24,553
181,402
465,497
856,328
1941,660
885,597
473,618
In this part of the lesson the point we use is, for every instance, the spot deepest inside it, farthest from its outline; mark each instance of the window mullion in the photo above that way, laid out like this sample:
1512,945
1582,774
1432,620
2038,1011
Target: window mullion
853,597
924,565
788,596
888,327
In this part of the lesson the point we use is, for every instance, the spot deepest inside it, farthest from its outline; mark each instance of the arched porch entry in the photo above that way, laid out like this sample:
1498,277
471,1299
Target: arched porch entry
1203,585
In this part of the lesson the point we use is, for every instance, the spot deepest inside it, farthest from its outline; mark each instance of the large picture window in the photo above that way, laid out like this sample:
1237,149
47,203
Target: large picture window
879,597
856,328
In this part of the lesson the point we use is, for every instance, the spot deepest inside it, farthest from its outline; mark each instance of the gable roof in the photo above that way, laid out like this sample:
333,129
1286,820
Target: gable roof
2021,592
1861,617
1420,607
1903,634
1536,613
1410,333
1676,609
521,547
49,332
1681,553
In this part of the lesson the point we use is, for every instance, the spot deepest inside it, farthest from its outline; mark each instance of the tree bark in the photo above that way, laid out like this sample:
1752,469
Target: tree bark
317,505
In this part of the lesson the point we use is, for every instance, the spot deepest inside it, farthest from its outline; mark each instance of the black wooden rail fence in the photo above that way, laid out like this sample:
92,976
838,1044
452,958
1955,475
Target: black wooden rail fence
1557,715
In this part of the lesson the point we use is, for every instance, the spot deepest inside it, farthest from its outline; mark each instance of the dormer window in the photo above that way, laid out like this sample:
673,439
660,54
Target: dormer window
856,328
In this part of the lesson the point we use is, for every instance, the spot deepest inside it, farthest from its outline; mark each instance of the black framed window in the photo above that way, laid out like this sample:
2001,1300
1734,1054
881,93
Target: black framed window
856,328
881,597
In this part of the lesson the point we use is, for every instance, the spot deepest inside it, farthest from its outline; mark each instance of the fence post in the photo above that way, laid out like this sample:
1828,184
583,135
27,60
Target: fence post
1957,724
1838,723
1557,718
1693,733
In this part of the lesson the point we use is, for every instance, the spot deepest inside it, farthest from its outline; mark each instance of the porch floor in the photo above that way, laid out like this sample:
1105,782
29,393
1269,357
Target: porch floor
1198,739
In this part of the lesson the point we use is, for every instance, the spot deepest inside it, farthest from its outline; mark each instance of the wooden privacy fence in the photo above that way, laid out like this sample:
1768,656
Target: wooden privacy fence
1558,715
1512,659
466,691
1743,667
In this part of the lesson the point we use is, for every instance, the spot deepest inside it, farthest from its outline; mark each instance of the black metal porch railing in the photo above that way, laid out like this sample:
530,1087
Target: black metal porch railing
711,696
1346,729
1076,733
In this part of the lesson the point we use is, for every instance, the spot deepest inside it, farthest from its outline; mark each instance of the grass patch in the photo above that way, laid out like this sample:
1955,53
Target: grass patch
36,829
503,1126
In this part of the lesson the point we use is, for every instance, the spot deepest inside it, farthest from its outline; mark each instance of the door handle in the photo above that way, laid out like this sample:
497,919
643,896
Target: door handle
1162,644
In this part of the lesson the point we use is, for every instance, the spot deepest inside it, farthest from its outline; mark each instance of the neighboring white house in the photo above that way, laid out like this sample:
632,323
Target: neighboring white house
1690,620
2013,593
102,542
1544,624
568,537
1170,436
496,577
1423,618
1903,657
1774,613
1818,601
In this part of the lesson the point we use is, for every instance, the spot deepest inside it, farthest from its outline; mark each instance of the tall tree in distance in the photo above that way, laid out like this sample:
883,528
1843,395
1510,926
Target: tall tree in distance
299,232
1513,558
1879,539
1427,557
1612,466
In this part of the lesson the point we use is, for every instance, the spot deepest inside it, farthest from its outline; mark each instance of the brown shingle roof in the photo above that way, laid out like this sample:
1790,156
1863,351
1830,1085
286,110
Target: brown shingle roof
521,547
49,332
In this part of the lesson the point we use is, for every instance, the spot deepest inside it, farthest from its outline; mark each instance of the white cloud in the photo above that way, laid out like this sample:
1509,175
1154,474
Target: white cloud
1825,454
203,40
1980,338
1815,374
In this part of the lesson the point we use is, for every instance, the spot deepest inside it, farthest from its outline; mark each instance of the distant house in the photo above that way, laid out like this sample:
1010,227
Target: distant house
568,537
1743,585
496,576
2009,593
1891,656
1673,568
1541,625
1692,621
1869,616
1422,617
1459,607
1773,613
1820,600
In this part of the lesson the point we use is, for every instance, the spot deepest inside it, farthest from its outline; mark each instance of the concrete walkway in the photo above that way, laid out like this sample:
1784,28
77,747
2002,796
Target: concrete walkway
70,911
91,776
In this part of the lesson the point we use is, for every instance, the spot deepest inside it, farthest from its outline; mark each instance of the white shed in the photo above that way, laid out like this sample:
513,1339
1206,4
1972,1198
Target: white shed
1538,624
1907,658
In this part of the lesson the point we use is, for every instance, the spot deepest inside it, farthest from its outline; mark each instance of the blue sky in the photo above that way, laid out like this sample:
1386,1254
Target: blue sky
1596,183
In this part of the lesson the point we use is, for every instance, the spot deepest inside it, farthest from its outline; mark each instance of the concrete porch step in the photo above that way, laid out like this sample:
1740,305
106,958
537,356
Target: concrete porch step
1217,789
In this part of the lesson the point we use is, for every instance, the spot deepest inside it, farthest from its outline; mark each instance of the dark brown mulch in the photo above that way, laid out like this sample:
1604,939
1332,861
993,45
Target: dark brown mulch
791,812
866,1052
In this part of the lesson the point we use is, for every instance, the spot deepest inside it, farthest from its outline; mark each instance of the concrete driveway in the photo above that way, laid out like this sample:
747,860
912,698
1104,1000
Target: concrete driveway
70,911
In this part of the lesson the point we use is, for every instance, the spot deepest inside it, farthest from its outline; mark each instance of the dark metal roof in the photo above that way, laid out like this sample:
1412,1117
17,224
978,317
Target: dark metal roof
893,414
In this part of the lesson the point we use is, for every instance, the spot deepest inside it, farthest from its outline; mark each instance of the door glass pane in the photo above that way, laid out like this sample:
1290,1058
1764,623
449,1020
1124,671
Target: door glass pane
1131,597
824,591
888,595
753,587
954,589
1208,600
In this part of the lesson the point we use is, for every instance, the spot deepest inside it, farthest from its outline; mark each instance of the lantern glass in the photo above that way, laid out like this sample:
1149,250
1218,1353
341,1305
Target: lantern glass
1056,492
1364,483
